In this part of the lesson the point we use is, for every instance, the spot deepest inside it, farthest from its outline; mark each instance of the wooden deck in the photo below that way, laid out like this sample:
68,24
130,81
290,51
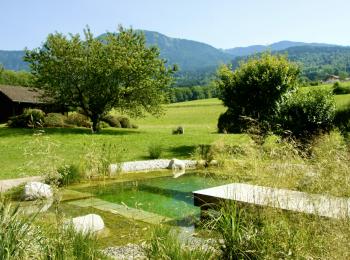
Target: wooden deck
326,206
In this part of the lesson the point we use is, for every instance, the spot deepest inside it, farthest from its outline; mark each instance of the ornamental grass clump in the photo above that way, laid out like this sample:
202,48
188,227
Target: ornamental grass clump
155,151
164,243
19,238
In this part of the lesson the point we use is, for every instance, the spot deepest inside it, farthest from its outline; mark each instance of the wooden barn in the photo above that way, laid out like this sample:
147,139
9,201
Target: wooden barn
14,99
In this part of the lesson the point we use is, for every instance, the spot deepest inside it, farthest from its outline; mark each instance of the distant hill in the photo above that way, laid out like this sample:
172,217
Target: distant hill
198,61
278,46
13,60
189,55
317,62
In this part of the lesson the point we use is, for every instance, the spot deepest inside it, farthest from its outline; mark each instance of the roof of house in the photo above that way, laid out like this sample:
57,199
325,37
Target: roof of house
23,94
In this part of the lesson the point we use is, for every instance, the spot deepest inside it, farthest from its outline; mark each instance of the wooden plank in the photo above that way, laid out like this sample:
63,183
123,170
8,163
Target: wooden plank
326,206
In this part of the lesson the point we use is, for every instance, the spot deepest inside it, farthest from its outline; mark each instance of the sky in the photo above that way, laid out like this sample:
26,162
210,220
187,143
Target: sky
220,23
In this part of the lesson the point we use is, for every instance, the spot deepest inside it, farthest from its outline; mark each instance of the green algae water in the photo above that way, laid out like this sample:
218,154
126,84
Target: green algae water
166,196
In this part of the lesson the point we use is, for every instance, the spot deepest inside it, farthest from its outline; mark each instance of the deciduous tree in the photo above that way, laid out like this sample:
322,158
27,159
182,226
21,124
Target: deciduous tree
97,75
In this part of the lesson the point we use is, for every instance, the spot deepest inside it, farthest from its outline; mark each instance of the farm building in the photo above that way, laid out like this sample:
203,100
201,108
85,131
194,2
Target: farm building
14,99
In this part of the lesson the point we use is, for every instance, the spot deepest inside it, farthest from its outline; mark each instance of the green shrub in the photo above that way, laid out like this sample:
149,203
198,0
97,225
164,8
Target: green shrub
339,89
103,124
54,120
30,118
342,119
113,121
178,131
69,174
231,122
77,119
255,89
308,113
155,151
125,122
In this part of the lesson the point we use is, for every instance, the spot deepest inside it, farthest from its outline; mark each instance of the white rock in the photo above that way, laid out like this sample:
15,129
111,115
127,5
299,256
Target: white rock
112,169
37,190
176,164
149,165
213,163
88,223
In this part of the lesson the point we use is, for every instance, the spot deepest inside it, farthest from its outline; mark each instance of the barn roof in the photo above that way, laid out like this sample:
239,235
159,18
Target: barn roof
23,94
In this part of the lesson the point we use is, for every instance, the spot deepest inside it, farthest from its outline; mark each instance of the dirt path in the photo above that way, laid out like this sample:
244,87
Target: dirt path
8,184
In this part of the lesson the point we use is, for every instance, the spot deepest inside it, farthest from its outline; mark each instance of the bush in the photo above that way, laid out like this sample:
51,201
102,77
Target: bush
113,121
103,124
255,89
339,89
342,119
230,122
308,113
69,174
125,122
77,119
155,151
54,120
179,131
30,118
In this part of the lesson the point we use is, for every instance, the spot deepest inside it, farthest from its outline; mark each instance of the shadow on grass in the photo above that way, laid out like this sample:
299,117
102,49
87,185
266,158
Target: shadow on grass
5,131
182,151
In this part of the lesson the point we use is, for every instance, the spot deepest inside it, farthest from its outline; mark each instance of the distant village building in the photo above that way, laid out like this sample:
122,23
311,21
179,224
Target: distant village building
332,79
14,99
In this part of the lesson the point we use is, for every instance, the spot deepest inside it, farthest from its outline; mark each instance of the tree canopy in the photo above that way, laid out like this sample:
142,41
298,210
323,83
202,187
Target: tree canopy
97,75
255,89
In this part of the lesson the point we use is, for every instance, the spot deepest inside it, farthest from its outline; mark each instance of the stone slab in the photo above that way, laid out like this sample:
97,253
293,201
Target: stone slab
326,206
123,210
6,185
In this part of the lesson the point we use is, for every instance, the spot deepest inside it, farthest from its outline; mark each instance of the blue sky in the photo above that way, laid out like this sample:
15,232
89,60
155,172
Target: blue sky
221,23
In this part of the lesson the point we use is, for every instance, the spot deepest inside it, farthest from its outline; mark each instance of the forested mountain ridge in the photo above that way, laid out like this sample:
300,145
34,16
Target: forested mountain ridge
198,61
277,46
13,60
316,62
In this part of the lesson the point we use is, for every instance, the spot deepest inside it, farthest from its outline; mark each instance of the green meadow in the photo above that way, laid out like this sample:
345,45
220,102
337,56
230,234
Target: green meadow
24,152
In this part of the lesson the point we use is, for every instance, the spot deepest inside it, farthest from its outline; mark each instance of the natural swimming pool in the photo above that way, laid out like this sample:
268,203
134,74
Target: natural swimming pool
161,196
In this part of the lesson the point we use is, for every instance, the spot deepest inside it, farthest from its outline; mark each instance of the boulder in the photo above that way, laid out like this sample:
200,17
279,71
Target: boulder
37,190
176,164
213,163
88,223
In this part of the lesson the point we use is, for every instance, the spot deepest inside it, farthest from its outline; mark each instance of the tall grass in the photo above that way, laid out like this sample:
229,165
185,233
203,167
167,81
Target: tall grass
19,239
238,232
267,233
22,238
165,244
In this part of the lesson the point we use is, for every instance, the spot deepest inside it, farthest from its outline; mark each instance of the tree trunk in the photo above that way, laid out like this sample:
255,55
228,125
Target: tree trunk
96,123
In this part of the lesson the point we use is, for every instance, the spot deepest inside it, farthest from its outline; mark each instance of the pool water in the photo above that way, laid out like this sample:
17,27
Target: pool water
165,196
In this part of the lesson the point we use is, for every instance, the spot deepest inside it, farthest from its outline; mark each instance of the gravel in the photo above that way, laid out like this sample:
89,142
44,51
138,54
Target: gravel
127,252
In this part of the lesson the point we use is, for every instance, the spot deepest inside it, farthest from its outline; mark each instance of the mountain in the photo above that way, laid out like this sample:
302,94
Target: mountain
189,55
13,60
277,46
317,62
198,61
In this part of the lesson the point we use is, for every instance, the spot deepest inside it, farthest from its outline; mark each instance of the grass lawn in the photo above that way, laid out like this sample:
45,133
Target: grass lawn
24,154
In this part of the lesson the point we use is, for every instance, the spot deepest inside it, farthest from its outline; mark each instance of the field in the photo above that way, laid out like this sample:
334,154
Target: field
22,153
